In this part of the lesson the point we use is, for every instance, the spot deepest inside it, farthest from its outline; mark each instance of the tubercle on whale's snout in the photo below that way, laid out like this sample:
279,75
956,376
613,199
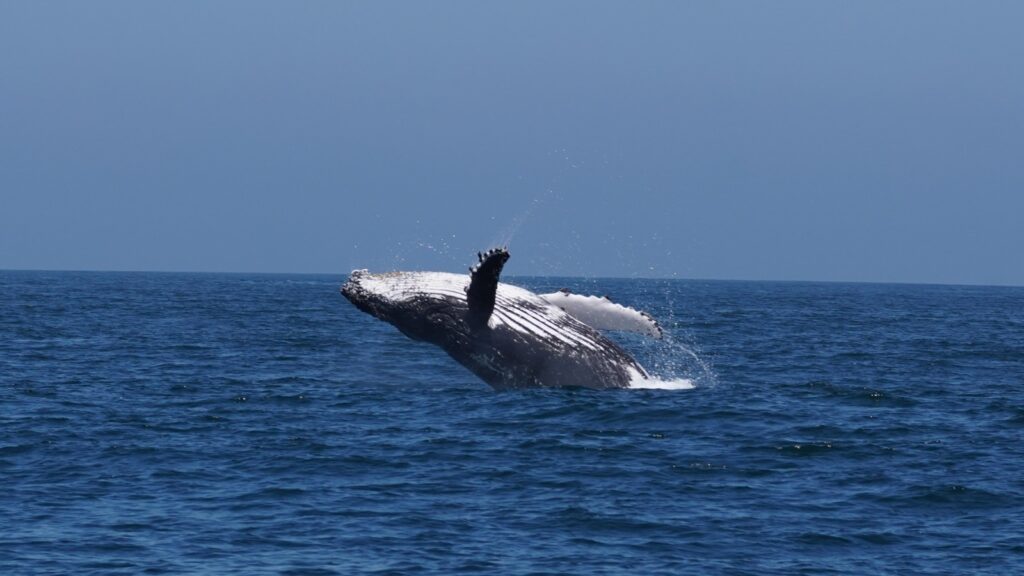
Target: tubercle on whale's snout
353,279
354,292
364,298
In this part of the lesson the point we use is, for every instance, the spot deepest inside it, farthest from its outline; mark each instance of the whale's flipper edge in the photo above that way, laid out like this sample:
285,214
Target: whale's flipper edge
483,285
601,313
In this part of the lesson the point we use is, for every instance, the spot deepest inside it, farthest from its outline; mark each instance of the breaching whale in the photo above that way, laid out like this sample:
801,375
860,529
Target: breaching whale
506,335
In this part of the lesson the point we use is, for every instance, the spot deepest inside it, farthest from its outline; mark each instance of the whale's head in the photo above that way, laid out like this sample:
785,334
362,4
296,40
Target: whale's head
424,306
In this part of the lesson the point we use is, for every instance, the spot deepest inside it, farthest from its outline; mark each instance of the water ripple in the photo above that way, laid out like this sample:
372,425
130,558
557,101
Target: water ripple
257,424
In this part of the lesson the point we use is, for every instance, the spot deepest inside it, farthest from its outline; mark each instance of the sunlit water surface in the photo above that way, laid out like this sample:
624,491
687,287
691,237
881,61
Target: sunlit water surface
190,423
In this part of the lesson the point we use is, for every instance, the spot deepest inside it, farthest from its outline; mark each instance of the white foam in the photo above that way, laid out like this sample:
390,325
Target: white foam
656,384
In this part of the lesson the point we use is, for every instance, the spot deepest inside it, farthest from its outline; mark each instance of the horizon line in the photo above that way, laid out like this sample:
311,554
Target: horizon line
597,277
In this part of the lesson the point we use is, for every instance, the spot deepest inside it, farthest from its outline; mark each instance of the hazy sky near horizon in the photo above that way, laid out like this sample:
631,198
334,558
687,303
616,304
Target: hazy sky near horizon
863,141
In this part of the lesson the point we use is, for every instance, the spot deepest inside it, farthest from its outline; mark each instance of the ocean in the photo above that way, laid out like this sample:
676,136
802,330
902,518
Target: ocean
156,423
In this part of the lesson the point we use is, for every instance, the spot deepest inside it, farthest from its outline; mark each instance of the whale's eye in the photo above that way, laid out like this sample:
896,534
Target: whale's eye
437,317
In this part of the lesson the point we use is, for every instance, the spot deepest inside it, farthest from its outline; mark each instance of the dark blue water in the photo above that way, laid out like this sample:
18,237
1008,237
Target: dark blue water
178,423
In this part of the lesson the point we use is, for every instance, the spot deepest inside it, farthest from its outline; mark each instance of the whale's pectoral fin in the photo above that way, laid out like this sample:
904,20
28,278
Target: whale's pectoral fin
484,285
603,314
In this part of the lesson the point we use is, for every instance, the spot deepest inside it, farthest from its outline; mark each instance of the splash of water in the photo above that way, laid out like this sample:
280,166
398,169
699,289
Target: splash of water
506,234
674,362
682,357
658,384
676,365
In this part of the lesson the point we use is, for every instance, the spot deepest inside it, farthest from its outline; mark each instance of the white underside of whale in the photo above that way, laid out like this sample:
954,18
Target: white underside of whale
541,319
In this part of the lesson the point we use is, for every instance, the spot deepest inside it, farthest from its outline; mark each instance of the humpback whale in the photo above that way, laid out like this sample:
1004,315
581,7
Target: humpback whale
506,335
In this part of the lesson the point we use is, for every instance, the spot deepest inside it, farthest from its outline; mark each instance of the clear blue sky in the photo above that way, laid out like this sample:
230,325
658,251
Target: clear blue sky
872,141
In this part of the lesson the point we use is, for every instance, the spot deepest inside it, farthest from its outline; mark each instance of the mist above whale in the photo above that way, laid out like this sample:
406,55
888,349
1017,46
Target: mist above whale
507,335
